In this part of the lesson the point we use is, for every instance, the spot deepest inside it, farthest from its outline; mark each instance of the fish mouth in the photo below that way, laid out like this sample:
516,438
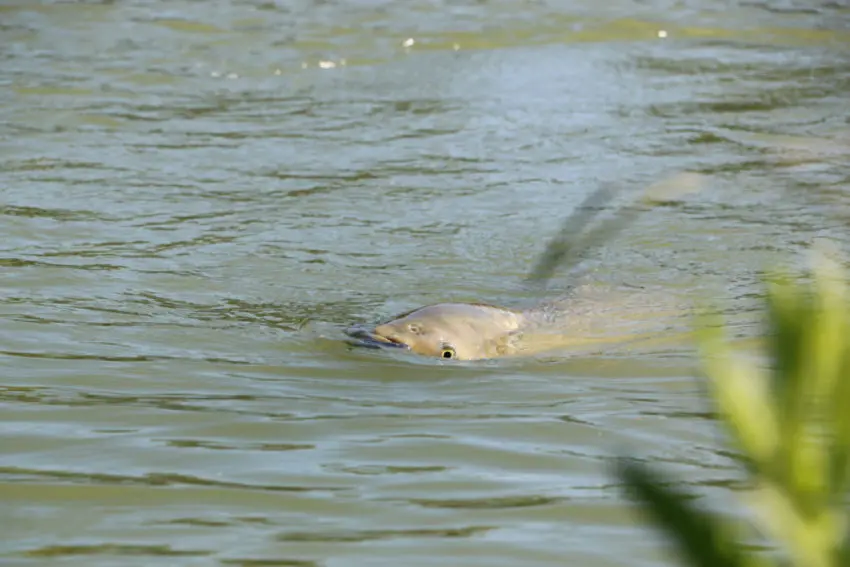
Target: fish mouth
365,337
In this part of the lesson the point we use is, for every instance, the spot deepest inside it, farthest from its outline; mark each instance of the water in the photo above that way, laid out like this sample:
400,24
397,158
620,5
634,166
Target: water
198,197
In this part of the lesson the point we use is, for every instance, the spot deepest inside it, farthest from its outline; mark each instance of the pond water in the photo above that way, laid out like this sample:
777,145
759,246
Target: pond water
196,199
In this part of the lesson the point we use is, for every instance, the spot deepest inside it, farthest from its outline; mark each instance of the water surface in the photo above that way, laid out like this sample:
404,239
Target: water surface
195,198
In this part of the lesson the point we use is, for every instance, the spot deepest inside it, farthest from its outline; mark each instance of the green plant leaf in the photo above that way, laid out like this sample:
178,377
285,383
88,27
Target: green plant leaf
701,540
790,421
741,392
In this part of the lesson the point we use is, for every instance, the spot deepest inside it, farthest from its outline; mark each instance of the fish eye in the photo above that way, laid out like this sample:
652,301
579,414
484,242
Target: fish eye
448,352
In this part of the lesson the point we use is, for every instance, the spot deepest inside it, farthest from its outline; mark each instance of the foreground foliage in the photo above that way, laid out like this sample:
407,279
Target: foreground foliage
791,425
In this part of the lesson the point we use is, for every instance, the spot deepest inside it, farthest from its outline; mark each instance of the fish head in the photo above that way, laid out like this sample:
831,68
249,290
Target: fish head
463,331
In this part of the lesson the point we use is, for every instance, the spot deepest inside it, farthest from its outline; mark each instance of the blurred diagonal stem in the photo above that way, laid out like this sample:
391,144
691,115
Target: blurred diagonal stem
578,237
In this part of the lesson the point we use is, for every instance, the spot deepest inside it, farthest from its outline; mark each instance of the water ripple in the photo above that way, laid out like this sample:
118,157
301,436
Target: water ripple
18,474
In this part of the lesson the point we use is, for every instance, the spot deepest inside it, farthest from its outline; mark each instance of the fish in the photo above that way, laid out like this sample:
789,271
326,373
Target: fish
583,315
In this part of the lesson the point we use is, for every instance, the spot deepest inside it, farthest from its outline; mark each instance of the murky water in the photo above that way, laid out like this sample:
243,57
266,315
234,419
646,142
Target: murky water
197,197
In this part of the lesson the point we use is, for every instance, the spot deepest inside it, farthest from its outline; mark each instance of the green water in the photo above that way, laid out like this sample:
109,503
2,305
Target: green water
197,197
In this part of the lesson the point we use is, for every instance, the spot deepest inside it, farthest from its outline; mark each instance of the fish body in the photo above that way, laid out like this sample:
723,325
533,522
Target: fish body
591,316
474,331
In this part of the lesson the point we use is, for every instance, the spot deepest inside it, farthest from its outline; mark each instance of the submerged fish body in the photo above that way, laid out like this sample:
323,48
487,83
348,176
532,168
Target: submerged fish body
468,331
473,331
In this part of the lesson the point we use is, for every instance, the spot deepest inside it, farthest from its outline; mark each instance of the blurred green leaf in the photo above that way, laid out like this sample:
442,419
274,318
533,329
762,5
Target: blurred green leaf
740,391
700,539
791,423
